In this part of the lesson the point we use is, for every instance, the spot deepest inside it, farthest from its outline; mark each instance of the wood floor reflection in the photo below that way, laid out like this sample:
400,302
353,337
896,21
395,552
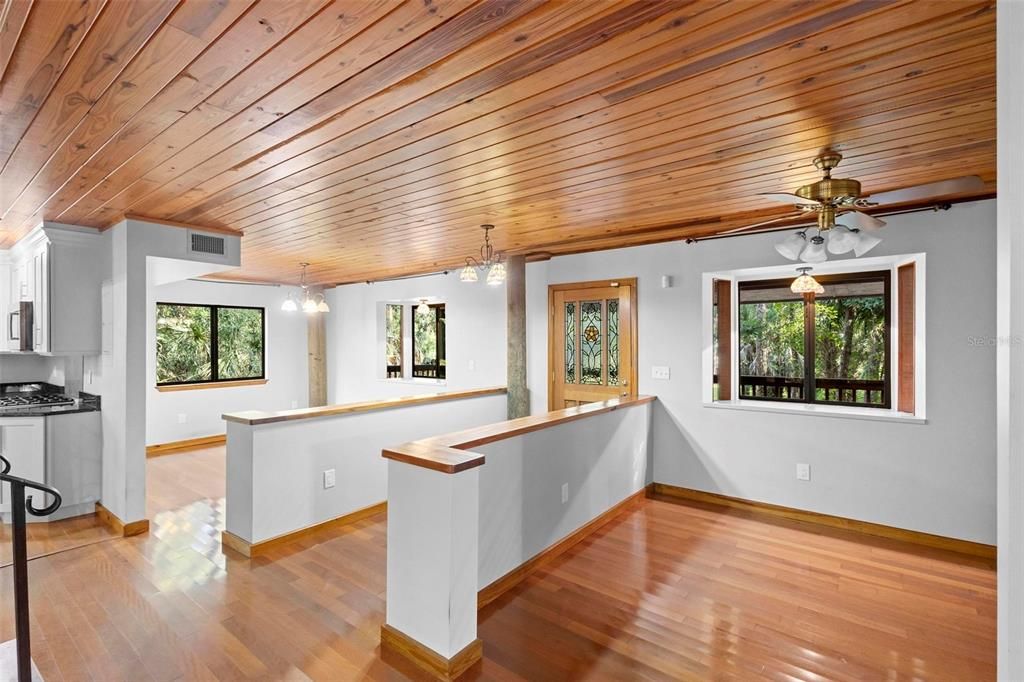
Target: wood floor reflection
663,592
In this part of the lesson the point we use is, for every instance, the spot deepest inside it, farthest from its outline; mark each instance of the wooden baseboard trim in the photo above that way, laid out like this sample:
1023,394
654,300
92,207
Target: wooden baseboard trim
244,547
397,643
973,549
187,444
517,575
120,527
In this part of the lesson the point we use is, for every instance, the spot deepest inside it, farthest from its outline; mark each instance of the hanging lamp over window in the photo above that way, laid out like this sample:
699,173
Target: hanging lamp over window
489,260
311,304
805,284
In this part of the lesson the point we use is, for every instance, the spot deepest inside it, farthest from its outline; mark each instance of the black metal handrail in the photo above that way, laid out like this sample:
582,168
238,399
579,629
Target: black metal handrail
19,505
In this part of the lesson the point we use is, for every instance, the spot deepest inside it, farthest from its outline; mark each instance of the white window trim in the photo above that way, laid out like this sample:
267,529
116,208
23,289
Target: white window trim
843,266
382,343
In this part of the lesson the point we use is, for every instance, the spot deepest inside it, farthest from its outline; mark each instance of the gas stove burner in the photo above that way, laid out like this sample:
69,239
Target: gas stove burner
34,400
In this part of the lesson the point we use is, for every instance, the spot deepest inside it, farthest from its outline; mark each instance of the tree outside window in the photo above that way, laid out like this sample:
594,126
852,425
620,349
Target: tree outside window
208,343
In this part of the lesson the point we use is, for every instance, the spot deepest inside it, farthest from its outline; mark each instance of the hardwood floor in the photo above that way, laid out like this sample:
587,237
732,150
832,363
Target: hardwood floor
177,479
663,592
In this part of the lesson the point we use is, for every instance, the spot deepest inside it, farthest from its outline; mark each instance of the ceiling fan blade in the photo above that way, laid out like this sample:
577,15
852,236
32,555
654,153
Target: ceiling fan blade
786,198
967,183
761,224
860,221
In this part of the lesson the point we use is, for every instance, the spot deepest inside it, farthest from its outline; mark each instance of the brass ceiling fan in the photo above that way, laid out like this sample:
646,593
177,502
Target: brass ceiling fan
837,202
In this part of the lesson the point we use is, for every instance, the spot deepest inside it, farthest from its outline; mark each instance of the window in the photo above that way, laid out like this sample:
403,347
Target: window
428,342
830,348
393,341
208,343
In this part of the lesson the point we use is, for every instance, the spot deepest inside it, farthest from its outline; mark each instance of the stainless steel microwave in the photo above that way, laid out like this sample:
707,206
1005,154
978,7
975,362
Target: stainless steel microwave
19,326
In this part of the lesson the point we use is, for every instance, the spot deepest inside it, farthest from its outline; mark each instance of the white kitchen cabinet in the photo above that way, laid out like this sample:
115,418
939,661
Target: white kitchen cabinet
23,443
55,267
63,451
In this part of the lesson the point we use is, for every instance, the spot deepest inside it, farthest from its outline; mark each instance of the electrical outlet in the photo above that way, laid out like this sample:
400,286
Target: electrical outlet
660,372
565,493
803,472
182,417
295,404
472,365
328,478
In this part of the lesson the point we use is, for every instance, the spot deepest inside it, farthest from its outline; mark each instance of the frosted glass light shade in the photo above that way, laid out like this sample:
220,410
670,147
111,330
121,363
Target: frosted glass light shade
289,305
309,306
496,275
865,242
815,251
791,246
841,239
322,307
468,274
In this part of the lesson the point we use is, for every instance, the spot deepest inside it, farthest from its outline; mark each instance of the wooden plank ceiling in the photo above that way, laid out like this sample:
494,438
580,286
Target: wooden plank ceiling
372,137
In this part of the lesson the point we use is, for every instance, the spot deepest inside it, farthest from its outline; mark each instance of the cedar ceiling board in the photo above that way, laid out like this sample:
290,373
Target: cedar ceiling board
13,16
152,68
801,161
380,39
499,44
246,224
798,162
565,69
44,47
121,30
263,25
807,166
369,181
472,28
372,183
378,75
255,56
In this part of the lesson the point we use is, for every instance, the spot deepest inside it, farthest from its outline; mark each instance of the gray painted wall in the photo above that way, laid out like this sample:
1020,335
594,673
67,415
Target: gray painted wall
938,477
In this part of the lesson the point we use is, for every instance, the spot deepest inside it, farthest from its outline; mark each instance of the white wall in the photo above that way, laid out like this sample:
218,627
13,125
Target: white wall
938,477
275,471
603,459
285,353
475,320
1010,26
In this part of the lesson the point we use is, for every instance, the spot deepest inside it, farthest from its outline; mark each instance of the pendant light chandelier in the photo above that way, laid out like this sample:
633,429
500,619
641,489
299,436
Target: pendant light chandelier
490,261
311,304
805,284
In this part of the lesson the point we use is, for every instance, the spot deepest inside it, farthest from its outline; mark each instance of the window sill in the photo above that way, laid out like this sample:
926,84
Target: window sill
211,384
416,381
838,411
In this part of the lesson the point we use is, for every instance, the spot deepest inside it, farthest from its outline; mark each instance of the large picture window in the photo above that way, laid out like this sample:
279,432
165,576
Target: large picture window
830,348
208,343
428,341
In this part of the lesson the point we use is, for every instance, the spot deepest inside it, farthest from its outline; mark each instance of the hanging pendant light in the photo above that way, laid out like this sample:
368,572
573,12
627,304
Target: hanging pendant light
423,308
805,284
311,304
489,260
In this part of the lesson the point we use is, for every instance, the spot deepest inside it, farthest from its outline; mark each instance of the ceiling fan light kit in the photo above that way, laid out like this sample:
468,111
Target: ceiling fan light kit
836,203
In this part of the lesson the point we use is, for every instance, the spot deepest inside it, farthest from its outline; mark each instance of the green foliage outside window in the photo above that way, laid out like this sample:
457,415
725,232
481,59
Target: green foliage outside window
185,350
393,334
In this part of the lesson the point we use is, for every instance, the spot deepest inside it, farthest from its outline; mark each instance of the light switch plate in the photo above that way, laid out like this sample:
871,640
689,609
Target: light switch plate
661,372
328,478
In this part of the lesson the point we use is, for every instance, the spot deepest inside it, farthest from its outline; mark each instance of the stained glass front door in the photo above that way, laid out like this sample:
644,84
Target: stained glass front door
592,340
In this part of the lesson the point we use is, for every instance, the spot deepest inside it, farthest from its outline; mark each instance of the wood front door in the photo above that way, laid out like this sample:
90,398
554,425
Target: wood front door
591,342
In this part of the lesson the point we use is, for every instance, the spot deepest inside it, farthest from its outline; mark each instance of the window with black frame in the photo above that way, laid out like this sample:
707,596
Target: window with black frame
829,348
209,343
428,341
